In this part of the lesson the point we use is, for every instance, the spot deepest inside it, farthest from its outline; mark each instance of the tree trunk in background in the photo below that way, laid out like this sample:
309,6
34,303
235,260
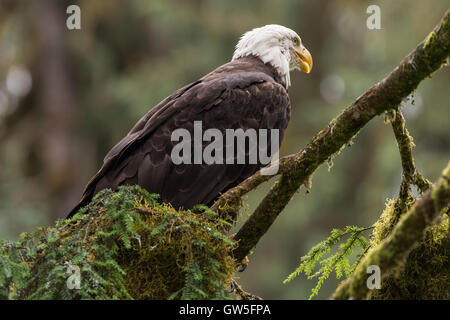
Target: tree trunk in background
58,108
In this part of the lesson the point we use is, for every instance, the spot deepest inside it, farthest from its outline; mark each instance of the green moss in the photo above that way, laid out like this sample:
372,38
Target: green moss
429,40
181,255
383,225
425,274
431,45
127,246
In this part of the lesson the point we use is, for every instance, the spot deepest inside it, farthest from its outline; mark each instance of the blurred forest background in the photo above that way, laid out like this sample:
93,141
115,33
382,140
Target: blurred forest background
66,97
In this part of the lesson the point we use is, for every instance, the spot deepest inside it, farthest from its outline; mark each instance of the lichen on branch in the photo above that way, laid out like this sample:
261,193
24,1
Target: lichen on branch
410,175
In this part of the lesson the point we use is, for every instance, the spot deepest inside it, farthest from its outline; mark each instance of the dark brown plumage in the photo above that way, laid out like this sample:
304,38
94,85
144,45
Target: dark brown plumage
245,93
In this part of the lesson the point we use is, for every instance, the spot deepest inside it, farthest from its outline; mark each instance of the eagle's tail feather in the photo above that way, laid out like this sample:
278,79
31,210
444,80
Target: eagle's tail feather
81,204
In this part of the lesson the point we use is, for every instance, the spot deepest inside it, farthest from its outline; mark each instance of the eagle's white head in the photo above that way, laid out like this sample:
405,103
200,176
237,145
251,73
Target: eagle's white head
277,45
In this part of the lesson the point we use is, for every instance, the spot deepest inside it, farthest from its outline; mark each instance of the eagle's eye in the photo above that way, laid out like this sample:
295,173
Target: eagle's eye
296,41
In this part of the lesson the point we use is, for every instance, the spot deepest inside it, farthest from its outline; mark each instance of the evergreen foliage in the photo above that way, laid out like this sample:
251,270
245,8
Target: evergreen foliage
126,245
339,261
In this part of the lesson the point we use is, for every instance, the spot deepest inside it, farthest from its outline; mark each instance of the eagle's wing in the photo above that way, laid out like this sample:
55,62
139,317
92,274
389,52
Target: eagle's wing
243,100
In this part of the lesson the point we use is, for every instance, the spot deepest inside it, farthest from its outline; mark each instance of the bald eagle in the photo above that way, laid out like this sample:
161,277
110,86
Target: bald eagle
250,92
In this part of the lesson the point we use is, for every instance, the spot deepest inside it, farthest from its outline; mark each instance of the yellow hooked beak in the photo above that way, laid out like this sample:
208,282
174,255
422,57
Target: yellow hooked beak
304,59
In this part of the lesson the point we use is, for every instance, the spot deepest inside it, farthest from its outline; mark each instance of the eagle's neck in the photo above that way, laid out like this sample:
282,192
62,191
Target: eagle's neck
272,56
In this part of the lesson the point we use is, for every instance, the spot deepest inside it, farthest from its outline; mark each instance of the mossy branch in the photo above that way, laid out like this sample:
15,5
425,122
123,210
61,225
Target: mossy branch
296,169
405,144
410,175
395,248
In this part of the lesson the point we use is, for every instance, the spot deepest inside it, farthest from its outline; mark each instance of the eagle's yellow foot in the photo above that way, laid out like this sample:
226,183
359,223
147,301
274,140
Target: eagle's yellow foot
244,262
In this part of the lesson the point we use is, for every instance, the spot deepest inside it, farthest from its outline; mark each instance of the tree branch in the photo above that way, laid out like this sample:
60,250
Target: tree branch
296,169
410,229
243,295
410,176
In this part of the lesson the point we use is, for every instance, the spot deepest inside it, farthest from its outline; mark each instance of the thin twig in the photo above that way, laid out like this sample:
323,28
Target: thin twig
242,294
410,175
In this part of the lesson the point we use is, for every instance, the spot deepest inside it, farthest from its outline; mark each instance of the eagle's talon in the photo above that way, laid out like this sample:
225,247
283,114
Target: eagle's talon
232,286
242,268
244,264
